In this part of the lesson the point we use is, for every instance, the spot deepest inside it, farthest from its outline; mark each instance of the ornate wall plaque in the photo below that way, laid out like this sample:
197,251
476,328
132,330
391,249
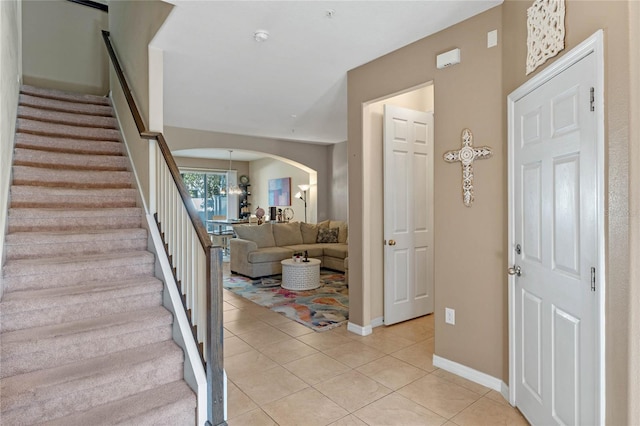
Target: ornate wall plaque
545,32
466,155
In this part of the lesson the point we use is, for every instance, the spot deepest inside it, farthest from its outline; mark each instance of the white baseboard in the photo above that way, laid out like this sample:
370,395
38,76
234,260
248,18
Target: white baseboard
505,393
377,322
471,374
359,330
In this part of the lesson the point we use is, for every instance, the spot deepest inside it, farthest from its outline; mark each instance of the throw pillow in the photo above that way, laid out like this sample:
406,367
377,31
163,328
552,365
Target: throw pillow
327,235
287,234
309,233
343,231
262,235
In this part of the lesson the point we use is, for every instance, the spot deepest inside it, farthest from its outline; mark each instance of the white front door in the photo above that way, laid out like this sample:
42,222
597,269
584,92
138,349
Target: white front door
554,202
408,214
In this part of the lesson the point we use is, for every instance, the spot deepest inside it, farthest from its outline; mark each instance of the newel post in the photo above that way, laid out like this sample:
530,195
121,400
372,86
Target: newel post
214,351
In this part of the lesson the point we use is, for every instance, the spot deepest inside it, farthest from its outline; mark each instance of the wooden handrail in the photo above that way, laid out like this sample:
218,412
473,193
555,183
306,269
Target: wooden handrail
137,118
92,4
201,230
213,293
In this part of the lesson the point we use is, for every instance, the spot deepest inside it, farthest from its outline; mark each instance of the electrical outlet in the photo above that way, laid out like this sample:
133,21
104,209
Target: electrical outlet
450,316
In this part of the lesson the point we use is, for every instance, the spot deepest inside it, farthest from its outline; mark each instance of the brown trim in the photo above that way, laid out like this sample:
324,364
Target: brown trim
214,362
203,236
92,4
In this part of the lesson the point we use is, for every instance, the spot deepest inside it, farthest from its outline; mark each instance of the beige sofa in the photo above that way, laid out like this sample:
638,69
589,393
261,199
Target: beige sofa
258,249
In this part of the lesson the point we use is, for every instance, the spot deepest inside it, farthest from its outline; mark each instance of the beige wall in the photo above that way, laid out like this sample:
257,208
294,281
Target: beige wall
10,73
339,181
315,157
473,95
132,25
63,47
634,204
269,168
583,18
466,95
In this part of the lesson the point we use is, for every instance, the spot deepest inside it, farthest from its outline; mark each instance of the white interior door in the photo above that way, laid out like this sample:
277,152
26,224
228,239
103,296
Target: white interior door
555,248
408,214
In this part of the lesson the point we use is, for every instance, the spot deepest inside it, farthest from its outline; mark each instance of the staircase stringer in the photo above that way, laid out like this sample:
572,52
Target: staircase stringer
194,373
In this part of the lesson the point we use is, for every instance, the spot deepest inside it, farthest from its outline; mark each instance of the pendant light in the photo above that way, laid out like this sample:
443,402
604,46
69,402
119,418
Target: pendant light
232,189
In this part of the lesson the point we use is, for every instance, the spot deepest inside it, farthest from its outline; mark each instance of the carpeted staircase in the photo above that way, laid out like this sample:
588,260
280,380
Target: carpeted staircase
84,338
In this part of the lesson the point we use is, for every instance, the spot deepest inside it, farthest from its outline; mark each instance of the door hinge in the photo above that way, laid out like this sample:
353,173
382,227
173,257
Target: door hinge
593,279
592,98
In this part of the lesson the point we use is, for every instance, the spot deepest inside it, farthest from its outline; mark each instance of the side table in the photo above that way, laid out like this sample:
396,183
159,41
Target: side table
300,275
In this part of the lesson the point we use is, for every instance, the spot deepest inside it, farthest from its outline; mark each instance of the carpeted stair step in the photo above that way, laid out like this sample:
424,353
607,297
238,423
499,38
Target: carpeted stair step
48,272
37,308
65,106
29,245
77,146
170,404
64,96
42,197
67,118
84,336
48,219
38,176
54,345
65,131
61,391
64,160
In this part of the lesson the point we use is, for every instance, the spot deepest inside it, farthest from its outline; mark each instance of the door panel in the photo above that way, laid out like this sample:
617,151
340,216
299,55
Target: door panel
554,205
408,214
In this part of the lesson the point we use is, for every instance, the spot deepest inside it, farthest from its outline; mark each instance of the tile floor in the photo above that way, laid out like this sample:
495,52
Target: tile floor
283,373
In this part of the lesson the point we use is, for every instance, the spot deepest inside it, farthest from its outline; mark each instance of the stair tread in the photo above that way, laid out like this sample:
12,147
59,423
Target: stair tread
34,299
61,144
70,178
133,257
46,383
23,340
74,212
64,95
48,237
65,105
76,119
25,125
129,409
77,192
46,218
54,159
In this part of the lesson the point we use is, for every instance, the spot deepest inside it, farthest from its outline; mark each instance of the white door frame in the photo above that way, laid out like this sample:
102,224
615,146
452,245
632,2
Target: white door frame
595,45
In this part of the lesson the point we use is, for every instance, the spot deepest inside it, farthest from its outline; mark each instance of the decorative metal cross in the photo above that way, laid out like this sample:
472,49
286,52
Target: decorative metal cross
466,155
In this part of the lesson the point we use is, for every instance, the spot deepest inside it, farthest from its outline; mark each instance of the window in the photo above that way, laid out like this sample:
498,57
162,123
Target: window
208,192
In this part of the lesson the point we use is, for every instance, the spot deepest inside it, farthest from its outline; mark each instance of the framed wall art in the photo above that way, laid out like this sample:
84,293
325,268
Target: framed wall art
280,192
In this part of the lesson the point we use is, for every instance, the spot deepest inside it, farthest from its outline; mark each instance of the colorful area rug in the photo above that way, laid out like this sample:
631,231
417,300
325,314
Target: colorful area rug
321,309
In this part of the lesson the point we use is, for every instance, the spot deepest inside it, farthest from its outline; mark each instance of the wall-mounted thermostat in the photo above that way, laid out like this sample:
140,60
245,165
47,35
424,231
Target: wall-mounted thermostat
447,59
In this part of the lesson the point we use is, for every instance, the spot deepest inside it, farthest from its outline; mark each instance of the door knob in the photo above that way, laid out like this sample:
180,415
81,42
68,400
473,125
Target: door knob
392,242
515,270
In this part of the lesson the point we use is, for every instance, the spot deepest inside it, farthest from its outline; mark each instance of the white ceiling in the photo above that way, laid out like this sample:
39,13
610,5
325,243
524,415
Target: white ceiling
293,85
